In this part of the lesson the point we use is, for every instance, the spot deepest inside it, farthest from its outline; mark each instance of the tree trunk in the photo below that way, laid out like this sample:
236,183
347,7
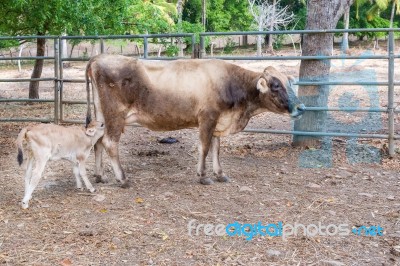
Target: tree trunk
271,27
179,8
345,41
203,14
259,41
37,69
392,14
323,15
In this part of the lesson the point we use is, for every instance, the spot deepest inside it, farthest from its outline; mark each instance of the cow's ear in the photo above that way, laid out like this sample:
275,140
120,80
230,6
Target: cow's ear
90,131
262,85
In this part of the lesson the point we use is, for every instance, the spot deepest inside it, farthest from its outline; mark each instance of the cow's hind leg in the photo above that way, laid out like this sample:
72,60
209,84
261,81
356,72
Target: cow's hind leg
40,163
111,147
206,127
217,169
98,155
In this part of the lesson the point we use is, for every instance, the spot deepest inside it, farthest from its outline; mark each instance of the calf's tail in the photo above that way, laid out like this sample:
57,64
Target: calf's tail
88,114
20,139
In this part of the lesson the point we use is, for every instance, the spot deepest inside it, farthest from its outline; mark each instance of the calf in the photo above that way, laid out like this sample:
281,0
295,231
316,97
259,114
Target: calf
44,142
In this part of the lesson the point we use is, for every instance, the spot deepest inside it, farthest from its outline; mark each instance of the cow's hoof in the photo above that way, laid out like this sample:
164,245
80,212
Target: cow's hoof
92,190
223,179
206,181
24,205
125,184
100,179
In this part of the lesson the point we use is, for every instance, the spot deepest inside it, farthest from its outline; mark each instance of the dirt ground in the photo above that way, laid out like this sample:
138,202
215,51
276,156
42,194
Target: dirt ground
346,181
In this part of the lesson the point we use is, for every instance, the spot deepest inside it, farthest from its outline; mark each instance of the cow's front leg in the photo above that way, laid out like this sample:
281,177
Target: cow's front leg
98,155
206,128
217,169
111,147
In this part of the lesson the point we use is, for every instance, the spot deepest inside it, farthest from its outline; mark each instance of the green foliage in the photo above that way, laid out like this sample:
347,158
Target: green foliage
222,15
172,50
195,28
55,17
8,43
230,46
360,17
299,8
146,17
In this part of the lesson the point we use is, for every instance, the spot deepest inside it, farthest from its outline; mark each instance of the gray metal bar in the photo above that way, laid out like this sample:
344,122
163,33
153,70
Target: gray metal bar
43,120
137,36
308,57
27,57
202,47
57,52
27,79
358,83
347,109
27,100
298,31
319,134
60,77
73,102
102,45
391,93
193,43
145,47
30,37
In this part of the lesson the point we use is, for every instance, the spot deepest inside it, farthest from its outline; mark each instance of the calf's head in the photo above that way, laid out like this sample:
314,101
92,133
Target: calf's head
277,95
95,130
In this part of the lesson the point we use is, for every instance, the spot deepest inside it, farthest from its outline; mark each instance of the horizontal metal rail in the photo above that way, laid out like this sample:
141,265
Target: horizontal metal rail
27,79
319,134
27,100
41,120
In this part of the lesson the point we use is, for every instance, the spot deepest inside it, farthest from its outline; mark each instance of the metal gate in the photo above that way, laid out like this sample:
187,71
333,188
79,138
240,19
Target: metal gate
59,80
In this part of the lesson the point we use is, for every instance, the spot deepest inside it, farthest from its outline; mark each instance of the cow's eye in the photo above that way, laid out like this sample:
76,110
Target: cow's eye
275,86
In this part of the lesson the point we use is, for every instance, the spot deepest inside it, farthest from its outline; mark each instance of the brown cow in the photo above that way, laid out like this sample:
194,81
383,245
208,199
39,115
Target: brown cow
217,97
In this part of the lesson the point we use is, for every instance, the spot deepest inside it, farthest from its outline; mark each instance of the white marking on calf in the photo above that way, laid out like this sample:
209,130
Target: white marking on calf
46,142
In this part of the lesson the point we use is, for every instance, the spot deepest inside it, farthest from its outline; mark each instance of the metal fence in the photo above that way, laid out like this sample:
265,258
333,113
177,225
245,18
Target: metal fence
58,60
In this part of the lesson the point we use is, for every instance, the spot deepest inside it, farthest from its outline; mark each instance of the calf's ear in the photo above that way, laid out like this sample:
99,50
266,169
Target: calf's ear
90,131
262,85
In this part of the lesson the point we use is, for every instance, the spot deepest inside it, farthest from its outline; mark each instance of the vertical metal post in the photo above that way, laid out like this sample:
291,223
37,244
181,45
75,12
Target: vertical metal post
193,43
60,81
145,47
102,45
56,79
390,108
202,48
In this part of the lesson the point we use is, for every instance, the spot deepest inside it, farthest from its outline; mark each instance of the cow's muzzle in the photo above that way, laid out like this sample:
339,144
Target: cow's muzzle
297,111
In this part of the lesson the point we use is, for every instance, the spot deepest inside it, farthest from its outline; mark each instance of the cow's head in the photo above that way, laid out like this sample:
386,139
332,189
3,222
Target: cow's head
277,95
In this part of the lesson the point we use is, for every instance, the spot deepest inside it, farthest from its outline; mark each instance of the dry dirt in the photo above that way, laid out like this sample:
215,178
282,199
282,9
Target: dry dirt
350,182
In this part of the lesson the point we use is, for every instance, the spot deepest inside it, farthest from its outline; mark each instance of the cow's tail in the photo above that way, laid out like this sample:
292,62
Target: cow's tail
88,114
20,139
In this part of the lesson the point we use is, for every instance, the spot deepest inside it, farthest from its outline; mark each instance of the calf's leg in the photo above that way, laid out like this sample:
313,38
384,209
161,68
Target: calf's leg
217,169
77,177
40,163
28,172
82,173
